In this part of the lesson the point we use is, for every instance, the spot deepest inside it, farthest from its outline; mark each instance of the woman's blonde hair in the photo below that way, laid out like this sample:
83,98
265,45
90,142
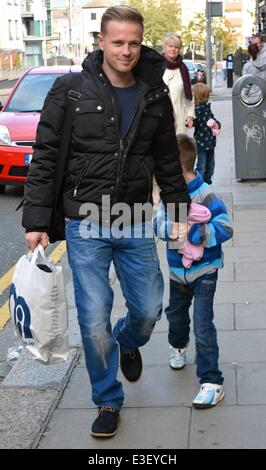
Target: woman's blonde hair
201,93
173,37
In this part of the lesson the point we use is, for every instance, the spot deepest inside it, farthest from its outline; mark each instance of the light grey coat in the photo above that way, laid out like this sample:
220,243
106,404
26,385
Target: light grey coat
257,67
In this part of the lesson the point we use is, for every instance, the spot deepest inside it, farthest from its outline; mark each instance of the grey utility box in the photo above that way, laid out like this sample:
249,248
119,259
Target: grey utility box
249,117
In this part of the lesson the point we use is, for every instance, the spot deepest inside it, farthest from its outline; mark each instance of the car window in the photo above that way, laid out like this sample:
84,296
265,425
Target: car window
189,65
31,92
199,67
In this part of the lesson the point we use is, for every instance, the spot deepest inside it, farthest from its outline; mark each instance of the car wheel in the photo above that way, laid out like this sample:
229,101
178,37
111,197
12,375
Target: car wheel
2,188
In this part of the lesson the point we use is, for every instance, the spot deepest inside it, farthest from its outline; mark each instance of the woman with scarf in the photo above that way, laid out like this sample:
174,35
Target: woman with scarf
176,77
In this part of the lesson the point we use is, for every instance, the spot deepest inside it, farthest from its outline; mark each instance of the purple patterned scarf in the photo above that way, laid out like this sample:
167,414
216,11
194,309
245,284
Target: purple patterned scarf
178,63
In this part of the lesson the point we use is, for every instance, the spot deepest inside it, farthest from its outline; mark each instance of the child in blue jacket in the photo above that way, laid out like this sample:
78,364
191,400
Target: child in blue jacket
198,281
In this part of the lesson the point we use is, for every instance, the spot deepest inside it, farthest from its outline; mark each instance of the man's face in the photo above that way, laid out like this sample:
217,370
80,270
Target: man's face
121,43
258,42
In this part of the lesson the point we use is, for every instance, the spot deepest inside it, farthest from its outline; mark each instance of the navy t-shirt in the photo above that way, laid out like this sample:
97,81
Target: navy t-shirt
127,98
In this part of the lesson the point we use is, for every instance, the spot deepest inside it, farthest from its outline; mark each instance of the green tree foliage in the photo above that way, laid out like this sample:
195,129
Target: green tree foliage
160,17
195,31
224,35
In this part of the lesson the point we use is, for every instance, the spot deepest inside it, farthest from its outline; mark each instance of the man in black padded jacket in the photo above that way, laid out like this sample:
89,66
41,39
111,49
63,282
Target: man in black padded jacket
122,134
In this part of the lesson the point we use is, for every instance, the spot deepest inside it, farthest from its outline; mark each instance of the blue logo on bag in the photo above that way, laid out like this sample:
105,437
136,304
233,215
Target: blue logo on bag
21,315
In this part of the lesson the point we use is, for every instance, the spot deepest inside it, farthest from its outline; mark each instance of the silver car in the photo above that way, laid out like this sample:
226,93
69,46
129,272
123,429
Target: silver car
191,69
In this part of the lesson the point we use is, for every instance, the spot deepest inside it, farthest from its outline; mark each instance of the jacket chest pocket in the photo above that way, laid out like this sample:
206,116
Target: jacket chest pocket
89,118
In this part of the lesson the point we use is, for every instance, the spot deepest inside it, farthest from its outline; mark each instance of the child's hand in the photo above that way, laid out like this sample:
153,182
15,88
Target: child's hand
215,125
179,232
189,122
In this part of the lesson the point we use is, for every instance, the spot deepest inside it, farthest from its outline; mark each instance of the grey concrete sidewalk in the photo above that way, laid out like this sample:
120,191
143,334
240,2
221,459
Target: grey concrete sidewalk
158,412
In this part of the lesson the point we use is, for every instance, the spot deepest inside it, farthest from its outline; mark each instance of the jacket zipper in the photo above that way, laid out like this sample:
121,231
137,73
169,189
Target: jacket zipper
79,178
185,275
148,173
121,146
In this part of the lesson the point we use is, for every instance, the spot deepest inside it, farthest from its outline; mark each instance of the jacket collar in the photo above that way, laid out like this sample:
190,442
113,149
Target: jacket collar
149,69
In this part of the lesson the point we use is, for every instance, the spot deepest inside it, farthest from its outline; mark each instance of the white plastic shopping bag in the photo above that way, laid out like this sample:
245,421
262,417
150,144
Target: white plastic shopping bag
37,305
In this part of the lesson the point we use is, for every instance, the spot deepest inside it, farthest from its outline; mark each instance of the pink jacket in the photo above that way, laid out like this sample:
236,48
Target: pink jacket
198,214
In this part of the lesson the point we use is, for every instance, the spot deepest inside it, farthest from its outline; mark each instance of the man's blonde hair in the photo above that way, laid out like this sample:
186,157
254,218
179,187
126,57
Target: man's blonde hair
201,93
121,13
188,151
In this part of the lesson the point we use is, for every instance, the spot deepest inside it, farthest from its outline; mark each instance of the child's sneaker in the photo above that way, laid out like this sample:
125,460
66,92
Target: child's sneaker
208,396
177,359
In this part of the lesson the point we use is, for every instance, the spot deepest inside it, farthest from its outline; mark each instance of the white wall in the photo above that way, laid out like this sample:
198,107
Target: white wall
11,25
89,25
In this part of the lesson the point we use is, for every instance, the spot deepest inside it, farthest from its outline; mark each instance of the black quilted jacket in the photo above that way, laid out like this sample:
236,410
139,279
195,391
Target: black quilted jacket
99,163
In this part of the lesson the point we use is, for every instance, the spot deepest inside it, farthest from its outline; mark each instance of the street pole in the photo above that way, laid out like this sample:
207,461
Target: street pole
215,58
70,24
208,46
44,44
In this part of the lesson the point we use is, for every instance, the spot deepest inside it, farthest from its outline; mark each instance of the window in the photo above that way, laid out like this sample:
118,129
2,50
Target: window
10,32
31,92
93,16
17,29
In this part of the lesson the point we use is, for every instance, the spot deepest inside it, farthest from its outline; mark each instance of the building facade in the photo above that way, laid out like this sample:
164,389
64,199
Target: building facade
92,15
261,18
11,40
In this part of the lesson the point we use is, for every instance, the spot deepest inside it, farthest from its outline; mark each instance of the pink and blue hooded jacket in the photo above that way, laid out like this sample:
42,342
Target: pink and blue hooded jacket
210,234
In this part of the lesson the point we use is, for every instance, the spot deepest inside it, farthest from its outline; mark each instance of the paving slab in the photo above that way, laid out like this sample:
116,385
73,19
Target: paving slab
245,239
250,316
138,429
227,273
237,292
250,272
224,316
257,197
229,427
251,384
176,388
241,253
248,214
242,346
244,226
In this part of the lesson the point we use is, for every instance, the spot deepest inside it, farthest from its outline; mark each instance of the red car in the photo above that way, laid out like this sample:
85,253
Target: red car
19,119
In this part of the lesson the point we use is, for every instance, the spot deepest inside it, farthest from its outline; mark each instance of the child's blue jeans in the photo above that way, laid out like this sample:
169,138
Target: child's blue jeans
205,164
207,351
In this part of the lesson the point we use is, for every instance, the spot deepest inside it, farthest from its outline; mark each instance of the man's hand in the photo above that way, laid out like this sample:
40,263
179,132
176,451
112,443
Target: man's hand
179,232
34,238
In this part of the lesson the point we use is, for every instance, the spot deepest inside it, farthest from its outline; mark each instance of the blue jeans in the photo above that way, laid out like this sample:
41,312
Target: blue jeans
207,351
137,267
206,164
